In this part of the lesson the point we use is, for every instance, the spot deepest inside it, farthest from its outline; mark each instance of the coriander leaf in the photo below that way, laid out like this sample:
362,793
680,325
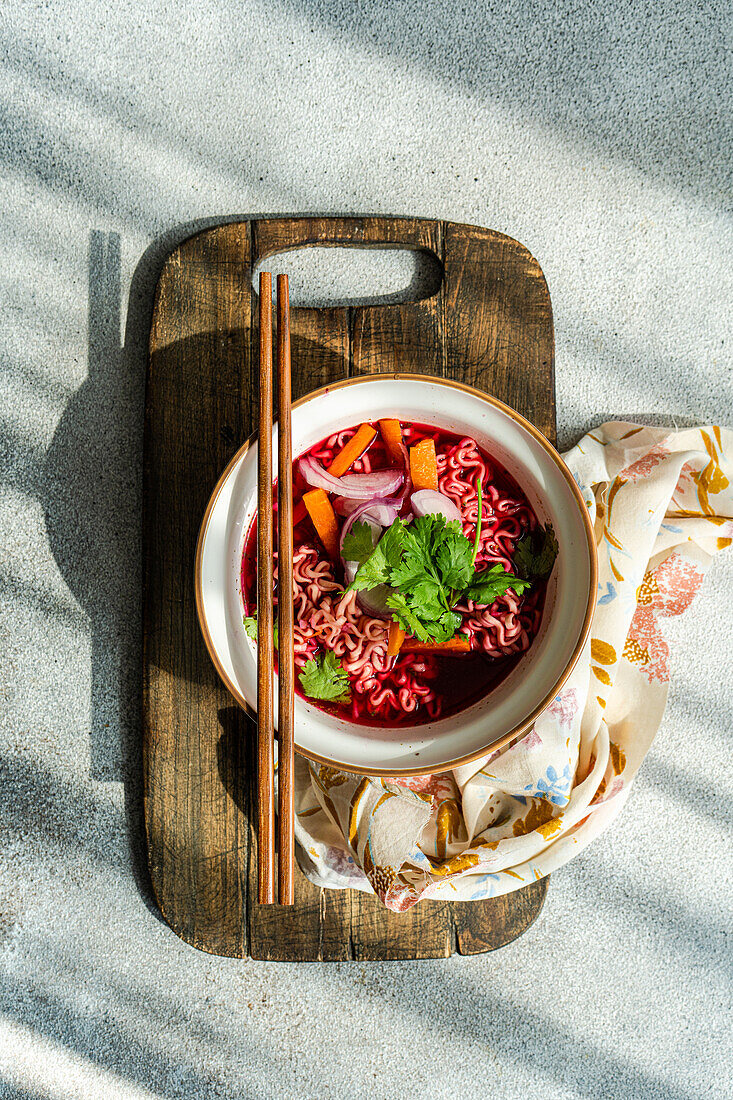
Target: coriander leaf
414,565
443,628
250,628
406,617
427,600
326,678
535,554
391,543
492,583
385,556
436,559
450,622
446,529
422,533
427,564
429,596
454,558
417,553
358,544
407,574
373,572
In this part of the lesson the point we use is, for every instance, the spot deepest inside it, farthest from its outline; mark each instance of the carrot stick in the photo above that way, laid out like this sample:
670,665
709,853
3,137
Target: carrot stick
323,519
424,465
352,450
396,638
456,647
392,435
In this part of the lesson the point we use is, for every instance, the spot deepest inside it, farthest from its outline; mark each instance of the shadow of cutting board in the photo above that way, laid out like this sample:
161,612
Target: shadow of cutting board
489,325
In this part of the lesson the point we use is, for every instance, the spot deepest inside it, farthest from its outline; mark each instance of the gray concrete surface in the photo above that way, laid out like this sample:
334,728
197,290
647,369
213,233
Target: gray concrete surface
600,136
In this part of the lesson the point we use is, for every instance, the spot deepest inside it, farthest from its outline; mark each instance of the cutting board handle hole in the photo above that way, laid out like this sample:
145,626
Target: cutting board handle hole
324,277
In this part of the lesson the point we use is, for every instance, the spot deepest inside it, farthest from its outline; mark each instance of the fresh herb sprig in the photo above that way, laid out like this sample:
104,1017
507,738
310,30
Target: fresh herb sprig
429,566
325,678
375,562
535,554
251,626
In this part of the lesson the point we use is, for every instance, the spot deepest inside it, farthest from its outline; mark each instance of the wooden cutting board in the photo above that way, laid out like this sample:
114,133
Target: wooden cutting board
490,325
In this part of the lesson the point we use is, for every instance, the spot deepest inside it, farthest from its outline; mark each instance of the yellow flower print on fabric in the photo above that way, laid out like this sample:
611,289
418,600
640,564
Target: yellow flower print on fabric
648,489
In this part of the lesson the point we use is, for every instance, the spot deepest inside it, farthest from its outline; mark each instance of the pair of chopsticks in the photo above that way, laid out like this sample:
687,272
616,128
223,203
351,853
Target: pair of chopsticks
265,641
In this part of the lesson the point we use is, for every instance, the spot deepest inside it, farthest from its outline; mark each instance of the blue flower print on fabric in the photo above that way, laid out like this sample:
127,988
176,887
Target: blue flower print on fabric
555,788
487,887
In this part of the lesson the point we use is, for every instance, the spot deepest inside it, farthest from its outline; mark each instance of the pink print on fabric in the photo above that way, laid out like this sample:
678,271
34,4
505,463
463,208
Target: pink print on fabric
532,740
437,786
669,591
678,580
644,465
564,708
401,898
687,473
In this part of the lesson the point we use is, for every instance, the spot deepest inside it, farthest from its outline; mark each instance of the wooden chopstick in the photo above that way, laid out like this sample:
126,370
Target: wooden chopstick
265,642
286,671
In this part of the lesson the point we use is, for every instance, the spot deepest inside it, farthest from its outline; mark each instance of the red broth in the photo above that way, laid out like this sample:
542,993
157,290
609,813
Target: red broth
416,688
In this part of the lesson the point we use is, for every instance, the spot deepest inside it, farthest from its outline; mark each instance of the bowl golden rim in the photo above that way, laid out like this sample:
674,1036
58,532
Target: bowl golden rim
587,621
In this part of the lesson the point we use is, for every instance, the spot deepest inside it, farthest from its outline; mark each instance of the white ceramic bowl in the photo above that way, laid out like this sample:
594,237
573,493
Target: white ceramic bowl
538,675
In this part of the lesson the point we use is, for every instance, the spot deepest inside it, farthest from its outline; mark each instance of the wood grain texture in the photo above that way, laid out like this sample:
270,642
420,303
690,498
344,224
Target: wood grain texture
265,639
490,325
286,665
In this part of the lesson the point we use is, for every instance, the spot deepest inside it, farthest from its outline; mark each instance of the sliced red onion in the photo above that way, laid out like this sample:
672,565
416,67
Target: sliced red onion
374,602
364,517
383,512
378,513
407,484
352,486
343,506
428,502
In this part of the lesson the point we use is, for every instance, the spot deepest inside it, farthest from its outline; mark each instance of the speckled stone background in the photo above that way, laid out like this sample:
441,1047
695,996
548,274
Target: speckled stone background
600,136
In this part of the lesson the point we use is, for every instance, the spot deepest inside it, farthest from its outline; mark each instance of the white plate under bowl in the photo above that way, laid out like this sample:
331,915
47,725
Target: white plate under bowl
538,675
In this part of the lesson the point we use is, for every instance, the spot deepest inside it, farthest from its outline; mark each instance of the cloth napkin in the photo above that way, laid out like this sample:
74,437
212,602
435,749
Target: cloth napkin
661,504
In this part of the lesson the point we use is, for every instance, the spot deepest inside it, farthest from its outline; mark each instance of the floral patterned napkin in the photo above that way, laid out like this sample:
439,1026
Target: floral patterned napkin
661,504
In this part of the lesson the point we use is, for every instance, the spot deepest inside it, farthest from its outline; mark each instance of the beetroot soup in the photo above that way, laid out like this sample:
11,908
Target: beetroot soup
419,573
